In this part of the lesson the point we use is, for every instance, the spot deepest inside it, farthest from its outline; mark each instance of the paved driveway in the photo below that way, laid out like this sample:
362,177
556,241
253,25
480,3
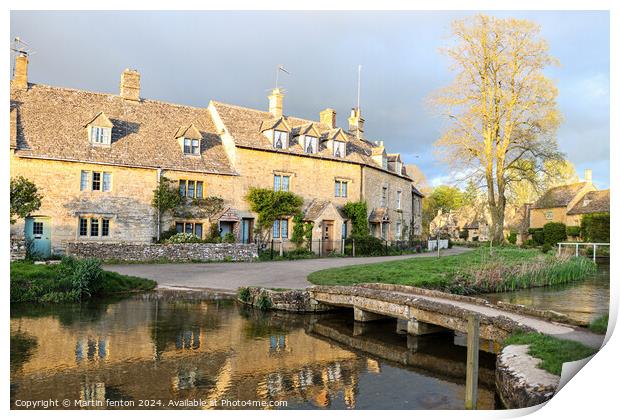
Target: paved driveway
230,276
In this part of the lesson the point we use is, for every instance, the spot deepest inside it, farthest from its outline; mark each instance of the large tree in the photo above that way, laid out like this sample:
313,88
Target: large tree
25,198
501,107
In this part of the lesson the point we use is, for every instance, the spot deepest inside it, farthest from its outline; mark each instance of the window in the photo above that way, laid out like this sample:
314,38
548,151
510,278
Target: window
37,228
398,230
398,198
310,143
191,146
96,181
280,139
280,229
281,182
344,230
83,180
384,193
340,188
191,188
339,149
187,146
195,147
105,227
94,227
107,181
189,228
83,227
100,135
549,215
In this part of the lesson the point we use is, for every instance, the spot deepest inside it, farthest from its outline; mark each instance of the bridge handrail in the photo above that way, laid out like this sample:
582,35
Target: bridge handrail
585,243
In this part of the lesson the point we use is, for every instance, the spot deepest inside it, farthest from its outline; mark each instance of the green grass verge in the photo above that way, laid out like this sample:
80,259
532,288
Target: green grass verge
599,325
476,271
56,283
551,351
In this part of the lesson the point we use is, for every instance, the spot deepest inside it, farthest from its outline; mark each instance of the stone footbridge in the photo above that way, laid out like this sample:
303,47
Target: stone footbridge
422,311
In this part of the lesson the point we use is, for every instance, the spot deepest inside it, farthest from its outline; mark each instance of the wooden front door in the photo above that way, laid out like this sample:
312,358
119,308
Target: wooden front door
328,236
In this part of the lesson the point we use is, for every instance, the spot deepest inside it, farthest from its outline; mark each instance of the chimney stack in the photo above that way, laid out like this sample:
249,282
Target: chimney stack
20,75
356,123
275,102
588,175
130,85
328,117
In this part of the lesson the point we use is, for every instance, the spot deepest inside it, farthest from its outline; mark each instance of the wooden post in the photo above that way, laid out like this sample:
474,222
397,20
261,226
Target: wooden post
473,346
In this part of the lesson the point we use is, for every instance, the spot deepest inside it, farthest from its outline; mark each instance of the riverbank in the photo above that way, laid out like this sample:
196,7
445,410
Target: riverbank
70,281
479,271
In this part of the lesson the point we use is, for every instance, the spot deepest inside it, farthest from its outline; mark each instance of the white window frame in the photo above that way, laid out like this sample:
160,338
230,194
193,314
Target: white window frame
549,215
100,136
398,199
279,185
282,136
310,142
340,149
398,230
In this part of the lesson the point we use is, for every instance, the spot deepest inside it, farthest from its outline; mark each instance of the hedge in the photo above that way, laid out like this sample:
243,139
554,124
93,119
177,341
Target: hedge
554,232
595,227
573,230
539,237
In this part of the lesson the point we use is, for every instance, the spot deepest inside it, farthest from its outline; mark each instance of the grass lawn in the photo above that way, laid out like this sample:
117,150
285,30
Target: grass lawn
552,351
599,325
57,282
476,271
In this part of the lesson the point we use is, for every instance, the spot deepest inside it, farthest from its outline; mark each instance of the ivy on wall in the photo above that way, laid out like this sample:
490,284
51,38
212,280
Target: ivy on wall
357,212
271,205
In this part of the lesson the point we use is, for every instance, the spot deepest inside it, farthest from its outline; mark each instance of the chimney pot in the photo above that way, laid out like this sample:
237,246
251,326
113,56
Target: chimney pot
275,102
130,85
328,117
20,75
356,123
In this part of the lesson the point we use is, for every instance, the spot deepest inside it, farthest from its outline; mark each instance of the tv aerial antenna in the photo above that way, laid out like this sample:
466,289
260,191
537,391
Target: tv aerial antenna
20,47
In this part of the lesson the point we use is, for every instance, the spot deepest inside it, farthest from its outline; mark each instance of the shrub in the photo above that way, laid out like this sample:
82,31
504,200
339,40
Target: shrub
264,302
538,237
546,248
554,232
244,294
599,325
595,227
183,238
165,235
573,230
512,237
229,238
302,230
450,244
368,245
213,237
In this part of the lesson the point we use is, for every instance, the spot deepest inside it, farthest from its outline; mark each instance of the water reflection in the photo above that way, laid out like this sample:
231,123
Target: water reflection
583,301
173,350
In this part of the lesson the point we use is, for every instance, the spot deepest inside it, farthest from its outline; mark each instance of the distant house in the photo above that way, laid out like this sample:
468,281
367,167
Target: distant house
558,203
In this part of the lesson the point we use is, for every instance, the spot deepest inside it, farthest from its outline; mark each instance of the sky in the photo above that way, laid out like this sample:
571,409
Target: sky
192,57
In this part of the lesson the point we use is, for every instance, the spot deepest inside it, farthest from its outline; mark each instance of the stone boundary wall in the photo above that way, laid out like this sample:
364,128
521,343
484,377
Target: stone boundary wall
286,300
519,382
132,252
18,248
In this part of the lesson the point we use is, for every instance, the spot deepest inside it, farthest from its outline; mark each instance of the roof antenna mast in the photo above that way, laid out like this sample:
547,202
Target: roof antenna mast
359,85
278,69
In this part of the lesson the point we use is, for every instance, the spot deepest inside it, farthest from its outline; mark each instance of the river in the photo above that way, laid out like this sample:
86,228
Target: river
144,352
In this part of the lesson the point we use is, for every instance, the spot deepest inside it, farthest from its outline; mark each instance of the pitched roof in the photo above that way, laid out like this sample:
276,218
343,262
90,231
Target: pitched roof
316,207
416,191
592,202
51,125
244,125
559,196
379,215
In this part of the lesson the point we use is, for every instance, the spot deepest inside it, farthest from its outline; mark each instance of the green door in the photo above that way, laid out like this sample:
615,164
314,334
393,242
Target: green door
38,233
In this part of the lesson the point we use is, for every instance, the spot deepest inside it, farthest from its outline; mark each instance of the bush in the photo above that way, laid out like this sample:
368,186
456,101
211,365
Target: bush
164,236
595,227
554,232
229,238
573,230
213,237
538,237
244,294
450,244
264,302
546,248
368,245
183,238
512,237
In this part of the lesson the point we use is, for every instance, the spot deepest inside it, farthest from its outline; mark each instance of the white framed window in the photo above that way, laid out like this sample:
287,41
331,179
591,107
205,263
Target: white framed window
310,144
191,146
280,139
398,230
339,149
281,182
95,181
384,196
100,135
398,199
341,188
549,215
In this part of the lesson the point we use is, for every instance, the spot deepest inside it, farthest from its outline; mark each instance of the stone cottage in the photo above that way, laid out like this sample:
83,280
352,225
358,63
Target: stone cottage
96,159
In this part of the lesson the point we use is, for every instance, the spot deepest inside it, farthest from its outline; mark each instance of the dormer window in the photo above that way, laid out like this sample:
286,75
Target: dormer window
100,135
280,139
99,130
339,149
310,144
384,162
191,146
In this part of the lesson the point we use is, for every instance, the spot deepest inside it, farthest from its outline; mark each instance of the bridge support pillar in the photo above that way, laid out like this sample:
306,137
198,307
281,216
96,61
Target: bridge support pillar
415,327
361,315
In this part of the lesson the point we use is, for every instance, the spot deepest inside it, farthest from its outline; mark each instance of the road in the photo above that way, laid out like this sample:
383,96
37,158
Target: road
231,276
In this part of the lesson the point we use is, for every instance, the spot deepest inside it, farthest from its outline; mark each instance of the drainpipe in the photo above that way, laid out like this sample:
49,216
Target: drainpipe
158,212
